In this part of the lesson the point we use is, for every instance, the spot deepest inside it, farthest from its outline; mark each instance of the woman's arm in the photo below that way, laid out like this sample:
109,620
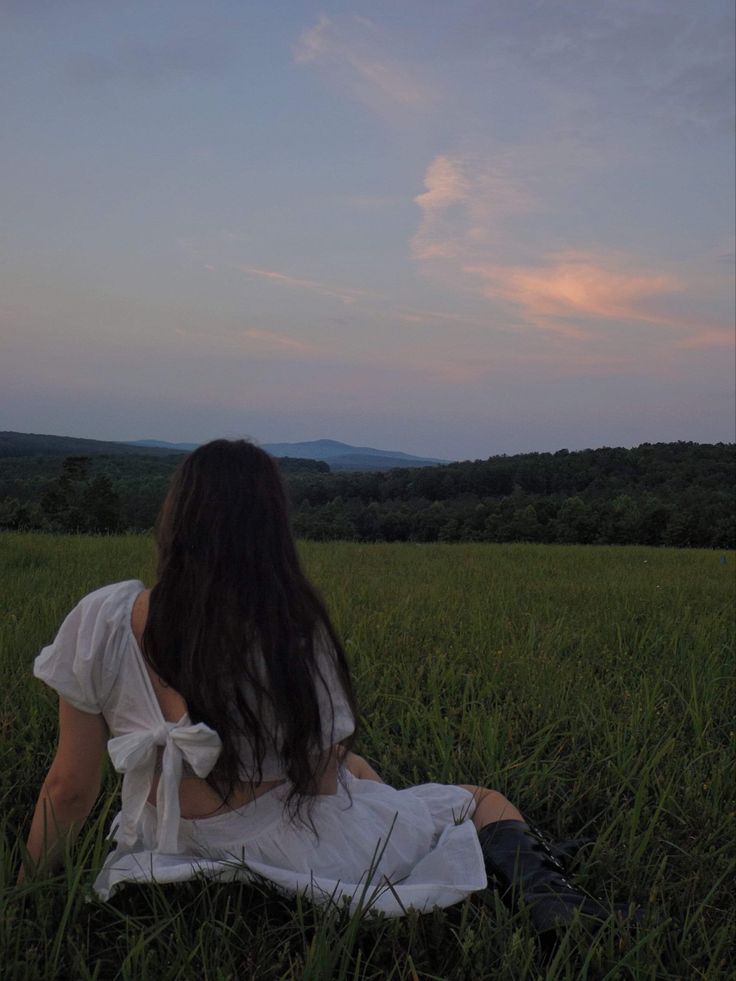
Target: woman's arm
360,768
70,788
327,774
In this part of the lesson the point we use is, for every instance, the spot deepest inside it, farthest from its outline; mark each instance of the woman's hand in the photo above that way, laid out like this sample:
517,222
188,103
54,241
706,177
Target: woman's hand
70,788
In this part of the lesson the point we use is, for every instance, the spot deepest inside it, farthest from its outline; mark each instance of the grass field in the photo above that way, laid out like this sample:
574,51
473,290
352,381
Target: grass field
593,686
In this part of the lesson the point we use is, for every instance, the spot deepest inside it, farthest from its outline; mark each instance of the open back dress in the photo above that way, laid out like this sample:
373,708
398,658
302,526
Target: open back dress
371,845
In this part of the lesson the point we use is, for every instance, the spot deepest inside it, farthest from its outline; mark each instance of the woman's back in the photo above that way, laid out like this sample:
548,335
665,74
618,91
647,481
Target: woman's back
234,626
196,797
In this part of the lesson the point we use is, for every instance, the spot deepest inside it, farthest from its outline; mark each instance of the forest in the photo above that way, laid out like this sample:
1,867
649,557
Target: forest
675,494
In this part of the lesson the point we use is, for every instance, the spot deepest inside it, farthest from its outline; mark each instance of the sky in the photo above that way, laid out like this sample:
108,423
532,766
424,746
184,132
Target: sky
453,229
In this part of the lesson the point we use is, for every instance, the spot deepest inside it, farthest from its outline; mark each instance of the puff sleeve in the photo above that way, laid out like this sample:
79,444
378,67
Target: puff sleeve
77,664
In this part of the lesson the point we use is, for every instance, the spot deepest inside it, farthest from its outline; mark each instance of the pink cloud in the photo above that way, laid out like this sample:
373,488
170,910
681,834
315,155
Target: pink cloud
280,342
346,294
469,208
464,201
411,315
709,337
446,184
352,51
577,286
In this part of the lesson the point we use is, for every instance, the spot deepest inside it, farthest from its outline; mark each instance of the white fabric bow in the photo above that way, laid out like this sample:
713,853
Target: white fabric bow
134,755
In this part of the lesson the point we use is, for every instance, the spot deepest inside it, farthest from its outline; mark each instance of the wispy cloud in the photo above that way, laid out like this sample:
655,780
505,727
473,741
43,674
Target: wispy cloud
370,301
709,337
464,201
474,210
349,295
446,184
272,340
412,315
346,294
352,51
664,64
577,286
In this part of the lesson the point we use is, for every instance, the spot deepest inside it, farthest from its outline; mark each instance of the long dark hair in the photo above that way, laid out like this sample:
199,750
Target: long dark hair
230,599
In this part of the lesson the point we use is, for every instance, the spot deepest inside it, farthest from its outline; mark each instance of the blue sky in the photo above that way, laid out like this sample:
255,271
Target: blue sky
453,229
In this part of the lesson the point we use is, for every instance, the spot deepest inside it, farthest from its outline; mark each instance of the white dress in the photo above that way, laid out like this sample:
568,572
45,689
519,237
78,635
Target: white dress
376,847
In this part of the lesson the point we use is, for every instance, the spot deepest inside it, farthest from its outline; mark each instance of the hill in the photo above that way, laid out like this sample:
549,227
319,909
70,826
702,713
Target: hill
343,456
162,444
35,444
340,456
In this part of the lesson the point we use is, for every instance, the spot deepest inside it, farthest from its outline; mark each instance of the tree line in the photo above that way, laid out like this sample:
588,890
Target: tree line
95,494
678,494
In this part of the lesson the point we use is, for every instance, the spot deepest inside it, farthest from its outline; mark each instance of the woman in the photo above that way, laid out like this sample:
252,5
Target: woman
224,698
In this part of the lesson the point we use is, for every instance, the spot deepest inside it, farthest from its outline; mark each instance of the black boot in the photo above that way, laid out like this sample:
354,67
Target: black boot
566,852
527,870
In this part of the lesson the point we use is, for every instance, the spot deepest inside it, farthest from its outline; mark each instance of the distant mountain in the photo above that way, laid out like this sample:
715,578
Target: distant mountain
340,456
36,444
329,449
163,445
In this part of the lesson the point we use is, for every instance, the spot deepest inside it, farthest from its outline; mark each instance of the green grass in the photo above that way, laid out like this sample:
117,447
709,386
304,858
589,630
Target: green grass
593,686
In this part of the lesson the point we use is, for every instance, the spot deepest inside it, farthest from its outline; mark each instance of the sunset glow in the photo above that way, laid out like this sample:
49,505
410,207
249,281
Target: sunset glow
454,230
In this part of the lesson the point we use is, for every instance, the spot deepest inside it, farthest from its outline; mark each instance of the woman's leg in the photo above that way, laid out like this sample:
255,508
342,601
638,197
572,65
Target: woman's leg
491,806
525,868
